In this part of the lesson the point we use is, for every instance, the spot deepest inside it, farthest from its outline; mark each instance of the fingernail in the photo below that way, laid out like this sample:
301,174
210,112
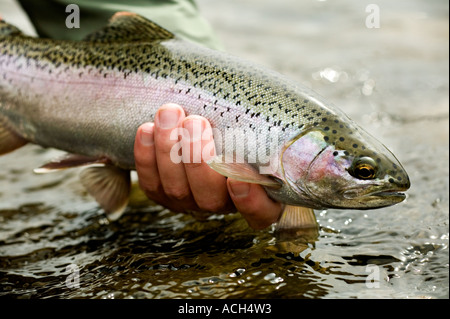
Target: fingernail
168,118
146,136
239,189
194,129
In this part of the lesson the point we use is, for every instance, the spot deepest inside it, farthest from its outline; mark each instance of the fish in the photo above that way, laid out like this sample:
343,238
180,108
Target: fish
89,97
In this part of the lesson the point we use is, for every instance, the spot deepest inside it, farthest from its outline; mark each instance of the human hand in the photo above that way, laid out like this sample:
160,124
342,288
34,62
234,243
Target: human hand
190,186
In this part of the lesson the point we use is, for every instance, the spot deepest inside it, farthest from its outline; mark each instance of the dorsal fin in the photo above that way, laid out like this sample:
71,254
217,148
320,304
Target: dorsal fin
129,27
7,29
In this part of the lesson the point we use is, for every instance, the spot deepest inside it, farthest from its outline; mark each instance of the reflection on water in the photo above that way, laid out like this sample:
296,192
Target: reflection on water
158,254
393,81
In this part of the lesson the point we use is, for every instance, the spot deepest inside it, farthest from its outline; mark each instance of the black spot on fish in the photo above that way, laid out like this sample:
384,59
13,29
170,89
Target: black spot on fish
324,119
335,153
326,138
341,139
355,145
326,128
334,131
391,180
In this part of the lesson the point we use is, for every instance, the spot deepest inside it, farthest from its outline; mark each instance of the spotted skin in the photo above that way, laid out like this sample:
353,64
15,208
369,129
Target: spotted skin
89,97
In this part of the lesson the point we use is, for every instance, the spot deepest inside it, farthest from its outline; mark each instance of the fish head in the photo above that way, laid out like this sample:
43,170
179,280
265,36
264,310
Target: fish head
342,166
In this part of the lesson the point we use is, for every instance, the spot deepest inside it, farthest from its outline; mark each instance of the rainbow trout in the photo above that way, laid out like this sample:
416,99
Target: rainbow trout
89,97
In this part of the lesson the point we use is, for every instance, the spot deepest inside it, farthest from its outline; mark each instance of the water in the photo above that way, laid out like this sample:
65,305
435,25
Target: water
392,80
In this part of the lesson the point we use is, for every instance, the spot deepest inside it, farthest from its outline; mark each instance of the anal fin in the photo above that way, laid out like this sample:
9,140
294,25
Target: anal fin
9,141
110,186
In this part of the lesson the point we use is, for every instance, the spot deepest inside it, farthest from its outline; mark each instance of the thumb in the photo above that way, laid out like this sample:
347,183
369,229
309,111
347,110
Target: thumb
252,202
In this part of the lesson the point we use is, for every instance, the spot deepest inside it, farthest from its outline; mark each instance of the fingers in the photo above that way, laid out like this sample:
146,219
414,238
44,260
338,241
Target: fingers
173,177
252,202
146,167
170,166
170,158
208,187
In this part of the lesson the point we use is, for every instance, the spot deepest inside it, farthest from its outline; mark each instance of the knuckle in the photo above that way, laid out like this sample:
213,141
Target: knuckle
194,166
150,188
142,161
177,193
212,205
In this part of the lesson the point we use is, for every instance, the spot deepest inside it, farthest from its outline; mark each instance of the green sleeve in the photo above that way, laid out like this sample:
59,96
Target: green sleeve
181,17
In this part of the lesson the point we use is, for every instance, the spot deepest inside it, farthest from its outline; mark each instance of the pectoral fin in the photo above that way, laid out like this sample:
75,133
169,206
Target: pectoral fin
243,172
296,217
297,223
9,141
70,161
110,186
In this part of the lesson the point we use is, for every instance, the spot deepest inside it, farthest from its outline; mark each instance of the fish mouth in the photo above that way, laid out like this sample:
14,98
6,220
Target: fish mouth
393,196
372,199
390,196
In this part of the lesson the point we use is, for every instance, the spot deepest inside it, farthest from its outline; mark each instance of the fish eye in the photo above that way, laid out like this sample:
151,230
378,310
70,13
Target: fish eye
363,168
